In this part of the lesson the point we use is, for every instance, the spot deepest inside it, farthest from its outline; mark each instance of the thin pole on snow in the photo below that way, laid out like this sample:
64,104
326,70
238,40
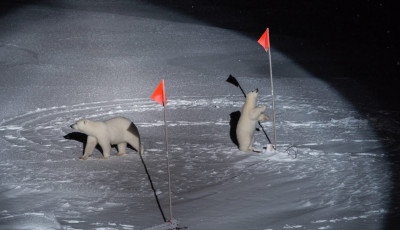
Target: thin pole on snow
169,174
160,97
272,93
264,42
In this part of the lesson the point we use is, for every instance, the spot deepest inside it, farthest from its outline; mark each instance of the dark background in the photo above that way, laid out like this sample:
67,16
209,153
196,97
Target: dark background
352,39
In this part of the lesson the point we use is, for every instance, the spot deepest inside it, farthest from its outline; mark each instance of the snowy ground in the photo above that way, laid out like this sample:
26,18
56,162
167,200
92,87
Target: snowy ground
66,61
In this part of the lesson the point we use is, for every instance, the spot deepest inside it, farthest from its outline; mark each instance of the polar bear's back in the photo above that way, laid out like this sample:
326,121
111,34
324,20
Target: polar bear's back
119,122
119,129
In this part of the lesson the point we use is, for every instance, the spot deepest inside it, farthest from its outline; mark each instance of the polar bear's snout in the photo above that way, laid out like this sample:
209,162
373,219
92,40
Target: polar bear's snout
73,126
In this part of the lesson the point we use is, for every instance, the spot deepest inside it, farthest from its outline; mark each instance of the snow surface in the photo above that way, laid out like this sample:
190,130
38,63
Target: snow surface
61,62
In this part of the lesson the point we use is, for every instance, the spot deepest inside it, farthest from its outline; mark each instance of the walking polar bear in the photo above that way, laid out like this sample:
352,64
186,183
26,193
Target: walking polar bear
248,121
118,131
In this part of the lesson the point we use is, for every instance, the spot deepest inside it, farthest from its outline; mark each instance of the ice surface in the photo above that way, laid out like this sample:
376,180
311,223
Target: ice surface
66,61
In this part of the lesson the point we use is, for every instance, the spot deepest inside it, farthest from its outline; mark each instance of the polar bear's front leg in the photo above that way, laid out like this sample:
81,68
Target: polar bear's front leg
256,112
105,145
90,144
121,149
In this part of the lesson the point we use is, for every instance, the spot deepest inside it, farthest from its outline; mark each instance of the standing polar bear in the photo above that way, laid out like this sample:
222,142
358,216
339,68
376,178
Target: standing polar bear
118,131
248,121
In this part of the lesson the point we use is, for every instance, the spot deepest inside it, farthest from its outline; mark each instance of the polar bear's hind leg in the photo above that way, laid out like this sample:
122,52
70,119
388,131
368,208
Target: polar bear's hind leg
135,143
251,146
121,149
245,145
251,142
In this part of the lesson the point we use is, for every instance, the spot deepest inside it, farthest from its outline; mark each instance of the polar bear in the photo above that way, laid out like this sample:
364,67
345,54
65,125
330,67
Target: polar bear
118,131
248,120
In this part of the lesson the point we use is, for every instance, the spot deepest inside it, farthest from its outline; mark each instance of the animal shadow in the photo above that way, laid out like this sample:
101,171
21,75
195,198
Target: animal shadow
80,137
233,124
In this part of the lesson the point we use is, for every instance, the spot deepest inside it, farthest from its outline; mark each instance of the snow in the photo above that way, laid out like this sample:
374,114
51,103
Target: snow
64,61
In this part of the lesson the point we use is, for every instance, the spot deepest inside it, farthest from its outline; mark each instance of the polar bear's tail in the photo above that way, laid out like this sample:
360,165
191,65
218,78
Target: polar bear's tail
138,145
141,148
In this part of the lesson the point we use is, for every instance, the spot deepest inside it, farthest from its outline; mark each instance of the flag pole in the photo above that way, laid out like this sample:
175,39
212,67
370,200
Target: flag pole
272,90
160,97
169,174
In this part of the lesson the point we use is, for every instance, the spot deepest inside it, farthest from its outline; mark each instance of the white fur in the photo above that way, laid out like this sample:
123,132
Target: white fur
248,122
118,131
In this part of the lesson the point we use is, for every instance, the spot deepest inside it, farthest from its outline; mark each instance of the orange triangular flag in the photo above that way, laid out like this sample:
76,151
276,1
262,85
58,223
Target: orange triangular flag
159,94
264,40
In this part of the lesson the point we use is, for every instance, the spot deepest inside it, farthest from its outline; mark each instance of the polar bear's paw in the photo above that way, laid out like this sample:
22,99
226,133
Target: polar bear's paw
263,117
83,158
104,158
256,150
121,154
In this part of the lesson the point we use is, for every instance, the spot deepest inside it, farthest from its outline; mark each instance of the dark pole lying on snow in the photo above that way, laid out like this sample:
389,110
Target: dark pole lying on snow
152,187
231,79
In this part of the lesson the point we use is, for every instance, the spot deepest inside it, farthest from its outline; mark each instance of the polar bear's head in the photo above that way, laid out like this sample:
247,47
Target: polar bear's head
81,125
251,98
254,93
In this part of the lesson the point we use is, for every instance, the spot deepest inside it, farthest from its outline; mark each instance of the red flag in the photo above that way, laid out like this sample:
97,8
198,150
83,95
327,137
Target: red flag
159,94
264,40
